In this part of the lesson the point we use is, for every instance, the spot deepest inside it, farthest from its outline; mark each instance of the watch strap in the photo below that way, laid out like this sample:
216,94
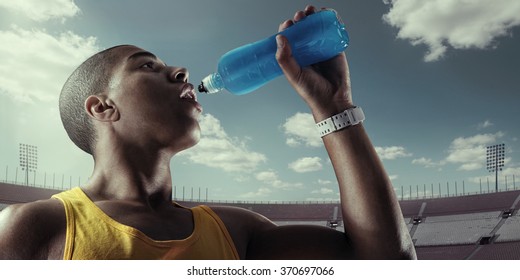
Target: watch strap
349,117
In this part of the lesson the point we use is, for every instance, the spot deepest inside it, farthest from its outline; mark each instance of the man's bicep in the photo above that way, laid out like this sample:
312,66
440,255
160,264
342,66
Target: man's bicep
25,230
300,242
12,226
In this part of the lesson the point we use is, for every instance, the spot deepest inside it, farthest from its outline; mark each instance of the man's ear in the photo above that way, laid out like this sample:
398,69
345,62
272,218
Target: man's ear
101,108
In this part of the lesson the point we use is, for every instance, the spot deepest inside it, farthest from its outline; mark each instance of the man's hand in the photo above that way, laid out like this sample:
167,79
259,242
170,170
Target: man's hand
325,86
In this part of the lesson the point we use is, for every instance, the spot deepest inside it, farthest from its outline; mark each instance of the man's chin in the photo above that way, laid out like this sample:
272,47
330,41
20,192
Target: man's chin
191,140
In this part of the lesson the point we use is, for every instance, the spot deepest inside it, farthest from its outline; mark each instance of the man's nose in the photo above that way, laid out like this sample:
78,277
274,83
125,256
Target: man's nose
179,75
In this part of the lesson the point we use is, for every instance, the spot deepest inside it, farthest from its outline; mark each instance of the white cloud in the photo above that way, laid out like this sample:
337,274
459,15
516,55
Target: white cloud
306,164
241,178
36,64
439,24
301,129
426,162
323,191
393,177
260,193
38,10
470,152
392,152
467,152
484,124
470,166
216,149
324,182
508,172
271,178
267,176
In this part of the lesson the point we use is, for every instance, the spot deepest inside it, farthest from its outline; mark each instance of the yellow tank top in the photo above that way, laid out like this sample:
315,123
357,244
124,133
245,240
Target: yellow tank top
92,234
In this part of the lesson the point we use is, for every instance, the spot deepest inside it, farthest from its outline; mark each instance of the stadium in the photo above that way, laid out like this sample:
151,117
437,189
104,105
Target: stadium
482,226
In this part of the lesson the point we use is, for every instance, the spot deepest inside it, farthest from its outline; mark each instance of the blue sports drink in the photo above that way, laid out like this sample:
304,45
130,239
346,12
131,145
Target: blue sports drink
316,38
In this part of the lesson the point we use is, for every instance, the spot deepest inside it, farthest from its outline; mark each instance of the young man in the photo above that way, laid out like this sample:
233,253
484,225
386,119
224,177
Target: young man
133,114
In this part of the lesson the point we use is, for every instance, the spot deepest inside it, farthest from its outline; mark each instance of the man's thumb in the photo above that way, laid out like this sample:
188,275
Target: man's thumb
289,65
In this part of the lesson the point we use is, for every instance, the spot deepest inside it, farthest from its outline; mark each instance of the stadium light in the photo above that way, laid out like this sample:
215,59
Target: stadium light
28,159
495,155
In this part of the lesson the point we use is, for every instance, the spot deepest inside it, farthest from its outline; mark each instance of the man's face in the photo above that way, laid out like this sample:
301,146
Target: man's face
157,105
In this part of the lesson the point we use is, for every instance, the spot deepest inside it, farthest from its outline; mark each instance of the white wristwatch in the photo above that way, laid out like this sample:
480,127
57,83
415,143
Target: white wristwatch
342,120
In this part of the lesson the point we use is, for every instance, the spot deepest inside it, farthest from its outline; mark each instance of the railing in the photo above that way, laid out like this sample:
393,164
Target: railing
17,176
410,192
451,189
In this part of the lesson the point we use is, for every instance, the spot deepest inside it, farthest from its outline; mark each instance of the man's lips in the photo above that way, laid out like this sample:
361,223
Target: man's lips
189,94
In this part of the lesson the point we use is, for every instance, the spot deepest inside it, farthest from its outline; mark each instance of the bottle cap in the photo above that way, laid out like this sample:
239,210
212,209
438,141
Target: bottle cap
202,88
211,84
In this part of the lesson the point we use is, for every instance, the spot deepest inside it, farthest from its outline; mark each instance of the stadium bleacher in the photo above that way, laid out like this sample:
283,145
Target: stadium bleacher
509,230
498,251
455,232
456,252
482,227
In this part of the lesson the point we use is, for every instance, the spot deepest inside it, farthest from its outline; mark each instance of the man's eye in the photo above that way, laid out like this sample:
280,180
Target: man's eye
149,65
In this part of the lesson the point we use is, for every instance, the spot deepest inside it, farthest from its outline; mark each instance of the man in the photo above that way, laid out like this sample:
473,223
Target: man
133,113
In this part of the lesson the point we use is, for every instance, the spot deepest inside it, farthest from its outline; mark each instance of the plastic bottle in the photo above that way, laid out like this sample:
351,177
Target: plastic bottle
316,38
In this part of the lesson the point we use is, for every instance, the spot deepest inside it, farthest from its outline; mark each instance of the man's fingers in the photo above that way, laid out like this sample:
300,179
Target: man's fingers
299,15
286,61
310,10
284,25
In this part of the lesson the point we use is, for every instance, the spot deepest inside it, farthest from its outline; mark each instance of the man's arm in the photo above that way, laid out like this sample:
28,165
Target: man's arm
372,217
256,237
300,242
32,231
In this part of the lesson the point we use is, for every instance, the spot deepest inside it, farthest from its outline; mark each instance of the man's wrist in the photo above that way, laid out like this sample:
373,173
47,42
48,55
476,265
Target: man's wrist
347,118
324,112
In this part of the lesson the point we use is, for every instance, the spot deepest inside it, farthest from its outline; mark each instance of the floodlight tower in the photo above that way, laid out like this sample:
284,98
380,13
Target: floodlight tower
495,160
28,159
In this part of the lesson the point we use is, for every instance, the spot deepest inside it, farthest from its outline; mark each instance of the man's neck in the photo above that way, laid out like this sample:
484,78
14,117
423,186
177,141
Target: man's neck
137,176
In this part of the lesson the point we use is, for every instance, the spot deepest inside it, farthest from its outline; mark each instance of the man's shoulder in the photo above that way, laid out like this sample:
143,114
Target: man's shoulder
32,211
26,228
242,216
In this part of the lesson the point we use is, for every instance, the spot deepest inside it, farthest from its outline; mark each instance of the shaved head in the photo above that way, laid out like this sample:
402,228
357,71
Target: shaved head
92,77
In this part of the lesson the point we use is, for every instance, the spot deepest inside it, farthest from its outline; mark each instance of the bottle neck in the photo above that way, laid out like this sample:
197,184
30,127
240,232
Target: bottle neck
211,84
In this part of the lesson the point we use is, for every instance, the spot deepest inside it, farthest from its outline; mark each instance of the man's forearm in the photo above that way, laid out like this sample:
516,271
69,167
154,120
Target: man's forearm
371,213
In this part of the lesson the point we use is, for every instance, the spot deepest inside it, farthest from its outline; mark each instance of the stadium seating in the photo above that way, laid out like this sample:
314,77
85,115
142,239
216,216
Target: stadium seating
457,252
10,194
455,230
509,231
498,251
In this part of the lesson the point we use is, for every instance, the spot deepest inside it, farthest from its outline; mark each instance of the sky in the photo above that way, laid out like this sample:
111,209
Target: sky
437,80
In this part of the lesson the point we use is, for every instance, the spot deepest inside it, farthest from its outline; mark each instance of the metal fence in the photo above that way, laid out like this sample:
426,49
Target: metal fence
409,192
456,188
55,181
